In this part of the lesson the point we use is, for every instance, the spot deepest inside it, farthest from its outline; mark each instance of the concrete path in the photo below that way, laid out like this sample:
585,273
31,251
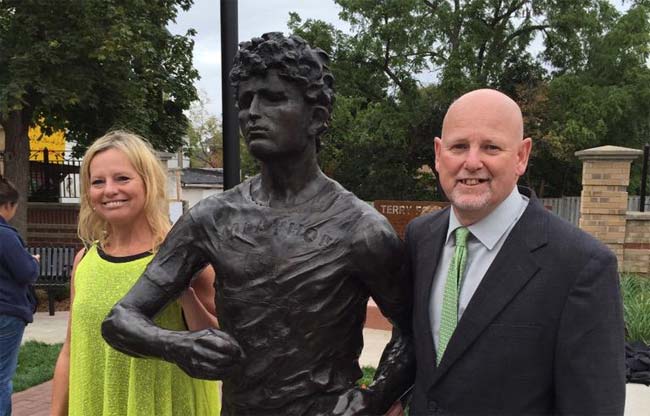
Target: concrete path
46,328
52,329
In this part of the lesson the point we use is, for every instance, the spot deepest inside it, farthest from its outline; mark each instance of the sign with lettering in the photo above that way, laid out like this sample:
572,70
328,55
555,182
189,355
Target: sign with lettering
399,213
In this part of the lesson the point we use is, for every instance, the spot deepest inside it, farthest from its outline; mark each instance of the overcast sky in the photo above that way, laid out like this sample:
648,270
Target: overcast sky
255,18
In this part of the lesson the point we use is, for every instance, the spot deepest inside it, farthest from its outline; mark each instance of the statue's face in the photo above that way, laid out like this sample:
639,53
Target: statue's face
273,116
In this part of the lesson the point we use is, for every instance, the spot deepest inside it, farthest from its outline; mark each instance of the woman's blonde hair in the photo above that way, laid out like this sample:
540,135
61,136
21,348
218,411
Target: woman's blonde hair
92,227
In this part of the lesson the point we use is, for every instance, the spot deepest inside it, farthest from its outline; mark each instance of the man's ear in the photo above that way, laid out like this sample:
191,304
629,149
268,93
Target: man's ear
318,121
437,147
523,154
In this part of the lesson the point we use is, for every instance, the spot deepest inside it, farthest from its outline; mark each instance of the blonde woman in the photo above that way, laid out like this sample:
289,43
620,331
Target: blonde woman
122,220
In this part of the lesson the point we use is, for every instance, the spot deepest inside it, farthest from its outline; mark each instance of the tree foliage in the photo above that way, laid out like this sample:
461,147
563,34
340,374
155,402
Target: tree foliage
205,141
205,136
578,69
90,66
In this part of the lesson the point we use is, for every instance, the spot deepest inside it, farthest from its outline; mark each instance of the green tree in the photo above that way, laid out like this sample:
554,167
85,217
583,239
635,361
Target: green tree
606,101
249,166
466,43
205,136
586,86
351,62
368,150
89,66
372,161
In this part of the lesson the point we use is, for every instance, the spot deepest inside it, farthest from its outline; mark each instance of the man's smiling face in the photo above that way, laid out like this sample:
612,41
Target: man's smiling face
481,153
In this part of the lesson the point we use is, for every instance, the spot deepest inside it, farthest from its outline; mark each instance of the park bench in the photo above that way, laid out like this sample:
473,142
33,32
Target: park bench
55,269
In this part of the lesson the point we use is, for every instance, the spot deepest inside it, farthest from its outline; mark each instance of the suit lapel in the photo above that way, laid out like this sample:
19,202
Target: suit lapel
510,271
429,250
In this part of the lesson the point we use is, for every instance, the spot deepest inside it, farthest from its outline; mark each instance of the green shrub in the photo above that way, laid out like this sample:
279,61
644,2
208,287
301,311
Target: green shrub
636,304
36,362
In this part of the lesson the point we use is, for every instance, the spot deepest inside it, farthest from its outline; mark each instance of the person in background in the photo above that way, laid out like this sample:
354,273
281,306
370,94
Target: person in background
18,270
516,311
122,220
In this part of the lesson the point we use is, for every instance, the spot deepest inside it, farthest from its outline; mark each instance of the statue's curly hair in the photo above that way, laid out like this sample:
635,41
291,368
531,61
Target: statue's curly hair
296,62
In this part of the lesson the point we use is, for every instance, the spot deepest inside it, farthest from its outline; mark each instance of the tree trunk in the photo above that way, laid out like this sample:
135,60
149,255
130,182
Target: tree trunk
16,127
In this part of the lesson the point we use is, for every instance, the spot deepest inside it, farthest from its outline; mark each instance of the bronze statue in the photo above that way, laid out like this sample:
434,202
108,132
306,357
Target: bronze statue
296,256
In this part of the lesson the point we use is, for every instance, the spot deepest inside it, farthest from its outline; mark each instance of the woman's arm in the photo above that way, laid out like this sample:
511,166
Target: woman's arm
60,386
198,301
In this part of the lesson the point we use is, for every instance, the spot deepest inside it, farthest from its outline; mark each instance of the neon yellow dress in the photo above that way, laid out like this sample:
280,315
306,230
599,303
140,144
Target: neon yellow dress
105,382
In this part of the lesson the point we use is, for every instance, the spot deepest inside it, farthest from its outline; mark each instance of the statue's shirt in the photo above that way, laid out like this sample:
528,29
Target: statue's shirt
291,288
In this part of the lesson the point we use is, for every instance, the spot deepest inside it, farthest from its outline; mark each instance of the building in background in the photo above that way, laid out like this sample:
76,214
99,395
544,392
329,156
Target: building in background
187,186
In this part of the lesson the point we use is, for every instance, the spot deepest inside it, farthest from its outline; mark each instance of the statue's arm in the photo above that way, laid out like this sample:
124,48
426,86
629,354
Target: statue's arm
129,327
384,267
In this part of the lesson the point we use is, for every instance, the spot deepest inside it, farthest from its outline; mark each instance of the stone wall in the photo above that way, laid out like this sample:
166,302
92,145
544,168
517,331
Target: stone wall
636,257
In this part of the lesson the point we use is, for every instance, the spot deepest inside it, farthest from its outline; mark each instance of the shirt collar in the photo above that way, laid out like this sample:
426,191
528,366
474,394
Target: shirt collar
490,229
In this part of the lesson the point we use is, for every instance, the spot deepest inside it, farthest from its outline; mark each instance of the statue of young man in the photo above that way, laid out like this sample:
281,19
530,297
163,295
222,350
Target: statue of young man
296,256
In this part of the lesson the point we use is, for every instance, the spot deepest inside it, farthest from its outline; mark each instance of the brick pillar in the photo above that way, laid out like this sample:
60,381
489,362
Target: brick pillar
603,202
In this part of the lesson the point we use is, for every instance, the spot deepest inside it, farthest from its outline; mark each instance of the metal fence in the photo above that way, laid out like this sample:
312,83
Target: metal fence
633,203
53,176
568,207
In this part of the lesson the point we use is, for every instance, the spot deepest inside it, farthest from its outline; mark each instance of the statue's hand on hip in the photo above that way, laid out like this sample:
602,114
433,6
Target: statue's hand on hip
208,354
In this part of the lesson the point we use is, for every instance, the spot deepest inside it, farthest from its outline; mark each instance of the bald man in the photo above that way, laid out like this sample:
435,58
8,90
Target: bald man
517,312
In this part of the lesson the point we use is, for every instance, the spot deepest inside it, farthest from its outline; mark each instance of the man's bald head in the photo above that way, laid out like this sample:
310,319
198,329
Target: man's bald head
489,104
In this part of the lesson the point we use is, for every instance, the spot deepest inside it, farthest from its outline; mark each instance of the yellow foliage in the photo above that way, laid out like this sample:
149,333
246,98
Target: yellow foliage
55,144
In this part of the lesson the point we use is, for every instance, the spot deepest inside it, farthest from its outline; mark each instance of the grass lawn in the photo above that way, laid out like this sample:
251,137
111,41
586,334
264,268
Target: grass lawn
35,364
636,303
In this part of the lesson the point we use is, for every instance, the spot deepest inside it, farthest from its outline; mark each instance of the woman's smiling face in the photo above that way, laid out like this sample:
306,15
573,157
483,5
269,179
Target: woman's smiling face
117,191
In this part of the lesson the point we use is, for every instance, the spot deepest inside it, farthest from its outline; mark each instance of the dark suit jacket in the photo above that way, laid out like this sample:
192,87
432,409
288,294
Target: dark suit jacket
543,333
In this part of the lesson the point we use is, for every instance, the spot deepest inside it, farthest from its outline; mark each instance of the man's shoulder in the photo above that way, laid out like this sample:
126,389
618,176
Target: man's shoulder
566,237
557,230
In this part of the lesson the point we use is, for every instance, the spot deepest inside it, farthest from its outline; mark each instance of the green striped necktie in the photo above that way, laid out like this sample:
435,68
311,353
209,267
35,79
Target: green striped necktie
449,316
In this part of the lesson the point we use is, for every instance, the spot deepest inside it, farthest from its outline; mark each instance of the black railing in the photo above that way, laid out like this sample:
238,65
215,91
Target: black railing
53,176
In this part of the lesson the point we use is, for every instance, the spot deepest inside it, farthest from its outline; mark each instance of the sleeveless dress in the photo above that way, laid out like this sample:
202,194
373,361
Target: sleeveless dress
105,382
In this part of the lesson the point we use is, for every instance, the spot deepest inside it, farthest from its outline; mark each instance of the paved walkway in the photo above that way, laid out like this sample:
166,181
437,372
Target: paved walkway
34,401
52,329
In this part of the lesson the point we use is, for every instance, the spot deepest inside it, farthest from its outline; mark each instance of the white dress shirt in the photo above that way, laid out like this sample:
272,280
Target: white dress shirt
483,244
